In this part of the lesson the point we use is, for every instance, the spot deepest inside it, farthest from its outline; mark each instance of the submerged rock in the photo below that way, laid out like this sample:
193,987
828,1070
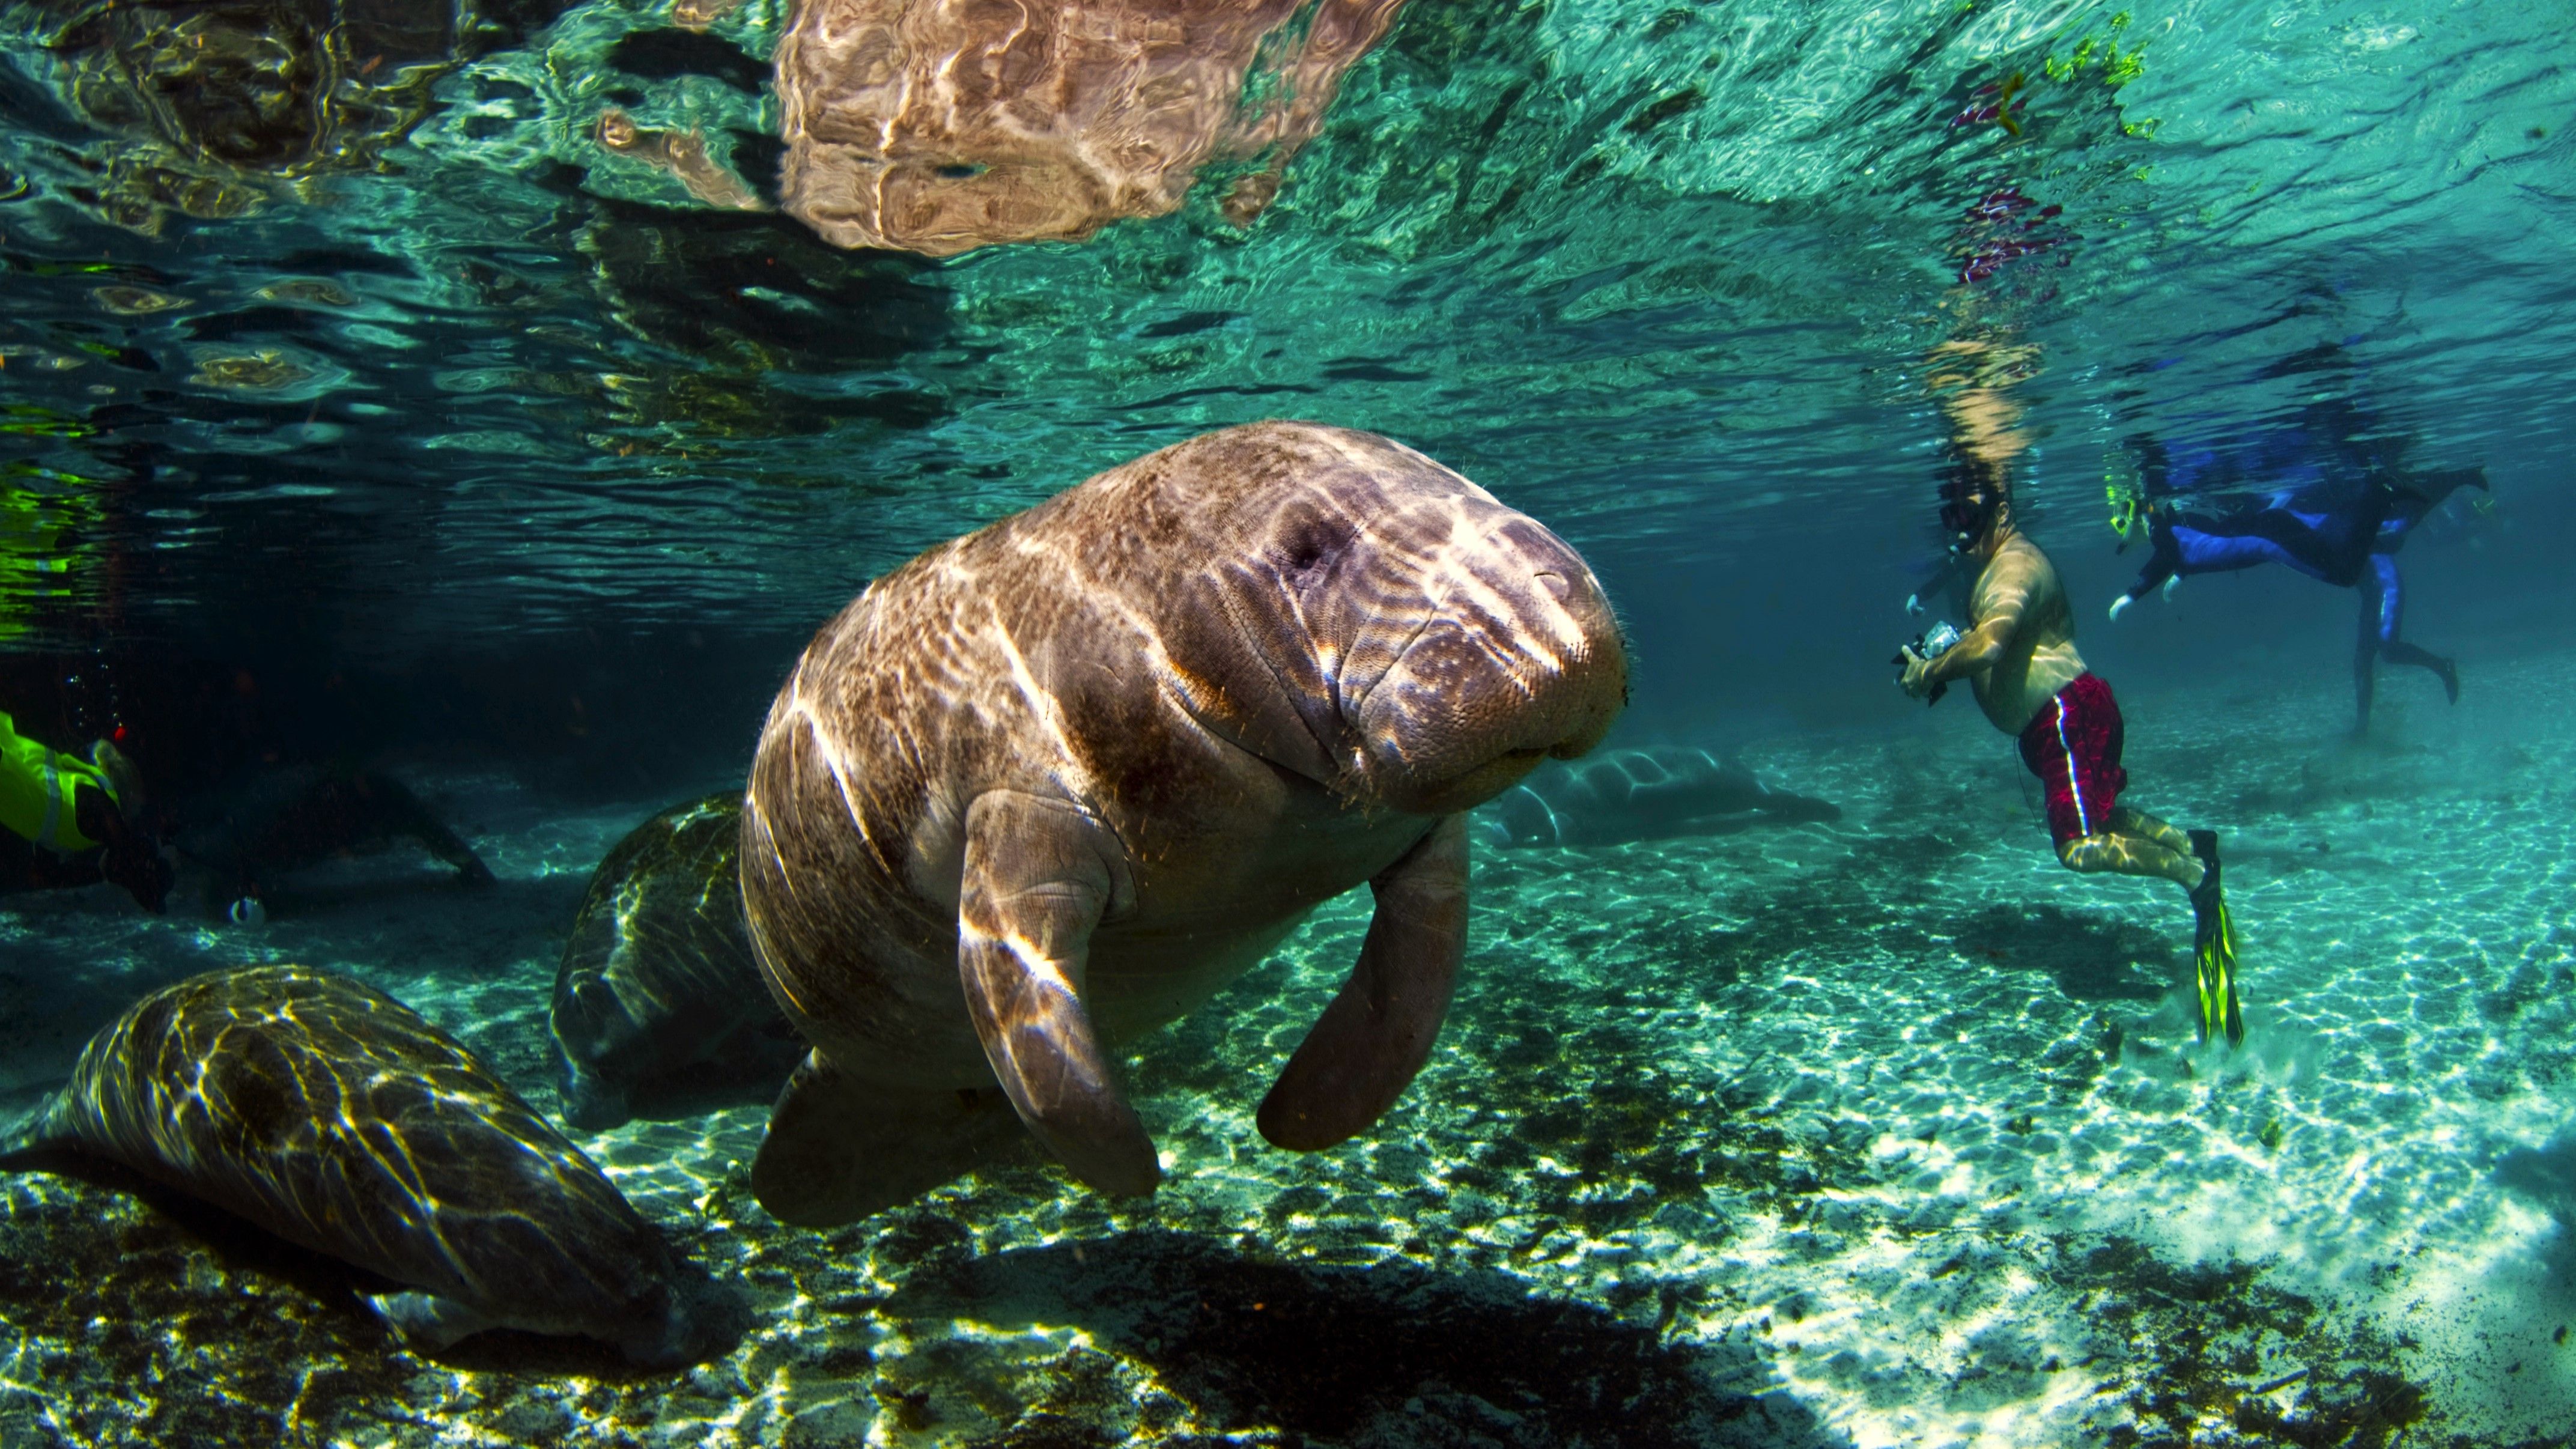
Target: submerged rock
657,991
938,126
332,1115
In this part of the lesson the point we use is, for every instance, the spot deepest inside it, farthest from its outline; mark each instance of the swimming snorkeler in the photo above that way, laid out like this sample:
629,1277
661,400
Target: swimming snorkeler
2383,596
2019,656
2340,532
69,807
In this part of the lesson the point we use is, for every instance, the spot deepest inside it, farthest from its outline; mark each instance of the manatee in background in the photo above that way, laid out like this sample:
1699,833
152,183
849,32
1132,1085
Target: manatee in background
939,126
1648,794
331,1115
1052,785
657,991
268,822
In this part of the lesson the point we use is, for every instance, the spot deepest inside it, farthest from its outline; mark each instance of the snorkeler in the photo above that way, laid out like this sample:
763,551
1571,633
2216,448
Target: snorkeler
2018,655
2345,535
69,807
2383,595
2322,530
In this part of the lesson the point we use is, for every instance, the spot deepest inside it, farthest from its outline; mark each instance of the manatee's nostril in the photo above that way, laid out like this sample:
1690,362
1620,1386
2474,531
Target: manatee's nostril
1555,584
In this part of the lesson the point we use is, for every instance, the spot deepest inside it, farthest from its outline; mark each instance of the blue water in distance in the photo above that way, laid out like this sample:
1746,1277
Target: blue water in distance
418,427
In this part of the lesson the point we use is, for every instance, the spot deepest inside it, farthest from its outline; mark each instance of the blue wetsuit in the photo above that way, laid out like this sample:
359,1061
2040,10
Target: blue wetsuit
2326,542
2383,593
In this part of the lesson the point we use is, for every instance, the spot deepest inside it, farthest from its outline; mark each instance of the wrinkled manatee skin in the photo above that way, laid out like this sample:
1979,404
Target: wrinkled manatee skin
657,992
333,1116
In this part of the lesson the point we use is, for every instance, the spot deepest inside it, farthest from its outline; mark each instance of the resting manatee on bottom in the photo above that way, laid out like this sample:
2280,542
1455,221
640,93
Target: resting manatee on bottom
334,1117
1648,794
657,993
1052,785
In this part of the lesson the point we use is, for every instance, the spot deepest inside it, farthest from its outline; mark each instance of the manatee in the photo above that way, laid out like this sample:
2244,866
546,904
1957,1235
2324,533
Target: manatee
1050,786
268,822
331,1115
1648,794
939,126
657,991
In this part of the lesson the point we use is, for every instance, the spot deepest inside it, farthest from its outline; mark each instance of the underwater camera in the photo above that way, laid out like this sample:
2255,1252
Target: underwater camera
1927,645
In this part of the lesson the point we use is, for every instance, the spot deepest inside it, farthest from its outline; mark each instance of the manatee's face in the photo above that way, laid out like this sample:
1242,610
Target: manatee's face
1465,643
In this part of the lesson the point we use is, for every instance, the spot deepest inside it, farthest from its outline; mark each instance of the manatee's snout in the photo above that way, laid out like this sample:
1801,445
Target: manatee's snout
1516,659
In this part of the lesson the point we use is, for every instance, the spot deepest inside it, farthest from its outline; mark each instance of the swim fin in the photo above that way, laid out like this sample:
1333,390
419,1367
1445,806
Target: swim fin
2214,947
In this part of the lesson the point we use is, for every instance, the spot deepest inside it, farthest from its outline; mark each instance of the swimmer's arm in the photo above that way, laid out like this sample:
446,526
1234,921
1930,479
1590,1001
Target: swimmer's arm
2003,597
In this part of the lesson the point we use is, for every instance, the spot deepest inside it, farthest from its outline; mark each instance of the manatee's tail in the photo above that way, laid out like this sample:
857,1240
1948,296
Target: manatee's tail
2214,947
37,1139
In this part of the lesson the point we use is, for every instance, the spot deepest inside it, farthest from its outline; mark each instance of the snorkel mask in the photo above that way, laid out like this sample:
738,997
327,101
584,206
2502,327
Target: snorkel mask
1971,494
2128,501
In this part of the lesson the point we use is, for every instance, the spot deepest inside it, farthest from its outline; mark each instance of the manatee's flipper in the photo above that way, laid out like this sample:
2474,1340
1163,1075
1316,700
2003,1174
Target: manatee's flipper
406,814
591,1102
840,1149
1782,805
1037,881
1380,1027
427,1321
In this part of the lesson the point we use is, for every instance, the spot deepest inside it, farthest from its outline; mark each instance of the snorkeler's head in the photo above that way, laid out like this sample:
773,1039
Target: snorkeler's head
1975,500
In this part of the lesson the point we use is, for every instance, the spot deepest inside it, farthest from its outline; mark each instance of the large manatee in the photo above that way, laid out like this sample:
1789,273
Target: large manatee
1049,786
657,993
331,1115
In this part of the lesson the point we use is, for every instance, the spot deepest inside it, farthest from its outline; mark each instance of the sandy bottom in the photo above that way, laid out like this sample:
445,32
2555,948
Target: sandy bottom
1880,1132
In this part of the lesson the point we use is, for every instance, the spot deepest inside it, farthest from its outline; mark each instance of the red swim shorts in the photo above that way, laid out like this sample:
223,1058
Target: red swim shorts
2073,746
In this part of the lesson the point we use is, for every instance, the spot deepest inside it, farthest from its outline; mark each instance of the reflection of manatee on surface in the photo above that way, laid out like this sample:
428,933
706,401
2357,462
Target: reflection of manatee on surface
657,989
939,126
219,107
1093,762
681,153
1649,794
333,1116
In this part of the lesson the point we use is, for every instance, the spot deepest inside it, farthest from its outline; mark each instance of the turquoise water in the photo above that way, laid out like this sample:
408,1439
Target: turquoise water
441,436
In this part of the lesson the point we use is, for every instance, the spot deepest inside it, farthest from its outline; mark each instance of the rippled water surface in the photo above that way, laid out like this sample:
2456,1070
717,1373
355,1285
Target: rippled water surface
449,389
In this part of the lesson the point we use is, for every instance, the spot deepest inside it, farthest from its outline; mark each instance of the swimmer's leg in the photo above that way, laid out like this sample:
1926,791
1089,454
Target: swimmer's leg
2146,852
2448,671
2121,853
2128,821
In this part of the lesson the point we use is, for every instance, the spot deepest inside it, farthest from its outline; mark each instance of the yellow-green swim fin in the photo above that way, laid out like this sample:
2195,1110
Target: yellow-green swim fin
2214,948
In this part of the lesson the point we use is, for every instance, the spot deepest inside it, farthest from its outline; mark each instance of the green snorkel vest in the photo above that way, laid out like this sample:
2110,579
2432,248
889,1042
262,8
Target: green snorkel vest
36,785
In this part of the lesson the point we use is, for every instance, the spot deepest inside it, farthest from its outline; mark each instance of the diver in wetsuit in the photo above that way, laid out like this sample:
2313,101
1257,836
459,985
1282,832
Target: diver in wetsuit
2383,595
2324,528
2341,532
68,808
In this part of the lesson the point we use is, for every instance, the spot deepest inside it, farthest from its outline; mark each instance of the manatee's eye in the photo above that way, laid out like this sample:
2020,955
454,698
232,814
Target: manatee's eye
960,171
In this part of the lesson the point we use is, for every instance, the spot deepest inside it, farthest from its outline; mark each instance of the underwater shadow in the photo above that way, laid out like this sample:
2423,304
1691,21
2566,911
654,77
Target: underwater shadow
1385,1353
2089,955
